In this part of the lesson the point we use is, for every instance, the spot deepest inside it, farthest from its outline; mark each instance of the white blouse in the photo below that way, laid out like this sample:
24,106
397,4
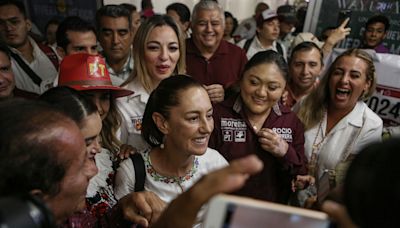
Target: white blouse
166,188
132,109
357,129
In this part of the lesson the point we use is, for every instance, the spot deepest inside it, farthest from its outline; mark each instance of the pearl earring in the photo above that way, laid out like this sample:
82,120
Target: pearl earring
162,143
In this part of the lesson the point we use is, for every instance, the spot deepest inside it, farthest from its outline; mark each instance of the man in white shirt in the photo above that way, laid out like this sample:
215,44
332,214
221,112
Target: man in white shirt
34,65
266,36
115,35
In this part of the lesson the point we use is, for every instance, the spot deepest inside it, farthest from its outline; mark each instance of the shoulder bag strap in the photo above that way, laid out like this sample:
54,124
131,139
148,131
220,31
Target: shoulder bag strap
247,44
140,172
279,48
51,55
32,75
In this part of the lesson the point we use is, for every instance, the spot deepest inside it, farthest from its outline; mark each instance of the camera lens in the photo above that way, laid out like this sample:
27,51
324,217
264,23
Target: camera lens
29,212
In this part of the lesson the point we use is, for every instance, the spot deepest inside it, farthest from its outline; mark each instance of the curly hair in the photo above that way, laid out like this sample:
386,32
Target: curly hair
111,124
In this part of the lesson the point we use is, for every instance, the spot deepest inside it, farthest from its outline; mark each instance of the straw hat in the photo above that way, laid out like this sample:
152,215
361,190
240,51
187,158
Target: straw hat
306,36
88,72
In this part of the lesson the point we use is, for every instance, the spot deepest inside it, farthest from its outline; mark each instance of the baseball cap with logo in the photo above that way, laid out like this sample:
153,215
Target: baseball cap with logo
88,72
266,15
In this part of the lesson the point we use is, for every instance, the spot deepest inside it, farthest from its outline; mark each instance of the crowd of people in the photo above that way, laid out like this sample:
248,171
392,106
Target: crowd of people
143,117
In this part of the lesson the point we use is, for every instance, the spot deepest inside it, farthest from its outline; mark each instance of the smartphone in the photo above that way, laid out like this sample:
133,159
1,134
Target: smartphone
343,14
226,211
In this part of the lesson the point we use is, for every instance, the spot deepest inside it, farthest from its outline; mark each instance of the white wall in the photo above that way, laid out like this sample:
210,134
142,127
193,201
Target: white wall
239,8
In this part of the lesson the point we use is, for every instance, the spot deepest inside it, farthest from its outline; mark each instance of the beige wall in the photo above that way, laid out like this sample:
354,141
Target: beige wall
241,9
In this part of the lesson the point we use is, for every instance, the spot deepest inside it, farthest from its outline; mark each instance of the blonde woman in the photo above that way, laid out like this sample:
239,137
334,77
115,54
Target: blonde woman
158,53
337,121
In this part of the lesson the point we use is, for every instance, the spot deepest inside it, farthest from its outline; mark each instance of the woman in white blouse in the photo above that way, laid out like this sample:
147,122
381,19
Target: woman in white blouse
159,52
338,123
177,123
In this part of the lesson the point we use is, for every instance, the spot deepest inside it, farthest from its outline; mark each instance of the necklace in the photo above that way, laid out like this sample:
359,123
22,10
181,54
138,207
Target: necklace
315,144
257,124
254,125
178,180
316,149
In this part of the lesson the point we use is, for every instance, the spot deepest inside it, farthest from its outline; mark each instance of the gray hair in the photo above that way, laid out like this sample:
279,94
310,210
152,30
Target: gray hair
208,5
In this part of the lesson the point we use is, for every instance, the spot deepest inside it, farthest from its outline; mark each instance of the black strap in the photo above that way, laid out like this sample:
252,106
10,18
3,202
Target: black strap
140,172
279,48
247,44
35,78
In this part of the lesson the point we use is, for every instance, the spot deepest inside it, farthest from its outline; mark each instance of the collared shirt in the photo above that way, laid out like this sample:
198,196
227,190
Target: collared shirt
118,78
256,46
287,41
41,65
378,49
234,138
332,146
132,109
381,49
292,101
224,67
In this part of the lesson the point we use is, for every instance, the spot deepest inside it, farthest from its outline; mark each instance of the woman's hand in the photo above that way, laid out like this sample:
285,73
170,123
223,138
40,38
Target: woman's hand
215,92
272,142
142,208
302,181
125,151
284,97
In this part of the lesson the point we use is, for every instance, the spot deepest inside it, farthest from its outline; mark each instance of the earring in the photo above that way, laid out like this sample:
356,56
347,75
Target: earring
162,143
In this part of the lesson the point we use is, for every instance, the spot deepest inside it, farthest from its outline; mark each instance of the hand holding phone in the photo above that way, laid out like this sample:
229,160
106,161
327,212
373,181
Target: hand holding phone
343,16
340,32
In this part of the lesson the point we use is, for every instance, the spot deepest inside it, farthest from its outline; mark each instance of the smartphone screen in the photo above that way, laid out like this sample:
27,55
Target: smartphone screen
239,216
343,14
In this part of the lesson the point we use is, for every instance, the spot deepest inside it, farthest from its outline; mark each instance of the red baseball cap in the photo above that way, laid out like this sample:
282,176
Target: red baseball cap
88,72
